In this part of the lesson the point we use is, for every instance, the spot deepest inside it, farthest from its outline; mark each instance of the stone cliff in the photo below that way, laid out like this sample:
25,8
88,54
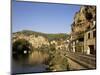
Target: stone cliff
35,39
83,19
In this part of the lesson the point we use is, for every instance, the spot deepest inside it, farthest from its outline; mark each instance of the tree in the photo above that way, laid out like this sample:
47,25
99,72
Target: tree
21,45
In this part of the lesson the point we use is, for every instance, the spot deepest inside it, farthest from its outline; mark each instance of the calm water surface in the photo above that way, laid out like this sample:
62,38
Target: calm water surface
33,63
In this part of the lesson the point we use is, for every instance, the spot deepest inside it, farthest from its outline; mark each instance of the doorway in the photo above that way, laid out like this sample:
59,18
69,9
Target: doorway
92,49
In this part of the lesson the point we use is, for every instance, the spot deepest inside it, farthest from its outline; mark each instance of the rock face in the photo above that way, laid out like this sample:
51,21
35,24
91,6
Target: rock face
36,40
39,40
83,19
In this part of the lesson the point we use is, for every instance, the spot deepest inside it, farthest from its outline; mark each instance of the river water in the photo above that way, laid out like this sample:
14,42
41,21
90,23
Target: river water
31,64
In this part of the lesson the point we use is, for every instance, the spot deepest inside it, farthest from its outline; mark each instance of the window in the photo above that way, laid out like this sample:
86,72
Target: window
88,35
81,39
94,34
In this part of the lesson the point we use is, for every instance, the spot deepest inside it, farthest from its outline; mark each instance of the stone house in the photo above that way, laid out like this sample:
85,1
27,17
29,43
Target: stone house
90,40
77,44
84,42
83,35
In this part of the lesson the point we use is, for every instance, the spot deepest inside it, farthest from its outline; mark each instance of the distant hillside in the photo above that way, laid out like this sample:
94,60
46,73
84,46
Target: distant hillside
29,32
57,36
50,37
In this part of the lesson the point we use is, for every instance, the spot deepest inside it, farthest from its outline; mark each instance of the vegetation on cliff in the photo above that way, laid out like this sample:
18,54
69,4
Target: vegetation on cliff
50,37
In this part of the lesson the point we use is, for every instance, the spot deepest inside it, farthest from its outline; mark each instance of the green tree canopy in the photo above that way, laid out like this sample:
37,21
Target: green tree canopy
20,45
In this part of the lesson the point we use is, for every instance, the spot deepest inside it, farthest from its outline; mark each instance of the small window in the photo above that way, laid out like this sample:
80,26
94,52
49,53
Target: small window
88,35
81,39
94,34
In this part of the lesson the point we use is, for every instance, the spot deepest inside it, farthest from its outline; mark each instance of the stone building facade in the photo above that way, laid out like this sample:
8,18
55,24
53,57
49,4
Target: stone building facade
83,35
90,41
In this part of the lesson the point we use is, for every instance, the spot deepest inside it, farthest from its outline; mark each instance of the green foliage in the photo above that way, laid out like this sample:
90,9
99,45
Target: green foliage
58,63
57,60
57,36
20,45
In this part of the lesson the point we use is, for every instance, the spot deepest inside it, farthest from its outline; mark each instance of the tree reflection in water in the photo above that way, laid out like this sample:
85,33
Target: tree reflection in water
33,62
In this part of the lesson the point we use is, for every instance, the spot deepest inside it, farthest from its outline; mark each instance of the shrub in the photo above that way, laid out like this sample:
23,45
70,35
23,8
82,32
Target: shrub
20,45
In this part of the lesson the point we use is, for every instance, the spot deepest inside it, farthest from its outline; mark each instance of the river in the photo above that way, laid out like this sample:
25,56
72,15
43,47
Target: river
34,63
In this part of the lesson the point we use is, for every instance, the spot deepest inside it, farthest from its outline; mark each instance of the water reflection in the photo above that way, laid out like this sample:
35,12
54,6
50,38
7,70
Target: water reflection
34,62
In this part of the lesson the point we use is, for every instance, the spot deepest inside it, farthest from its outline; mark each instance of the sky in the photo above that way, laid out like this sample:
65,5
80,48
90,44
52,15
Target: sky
43,17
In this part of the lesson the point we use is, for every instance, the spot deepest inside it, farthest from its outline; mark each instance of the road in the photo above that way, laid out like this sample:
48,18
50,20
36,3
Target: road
79,61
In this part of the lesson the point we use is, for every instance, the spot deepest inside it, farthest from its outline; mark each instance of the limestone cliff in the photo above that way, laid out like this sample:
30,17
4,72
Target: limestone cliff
83,19
38,39
34,38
